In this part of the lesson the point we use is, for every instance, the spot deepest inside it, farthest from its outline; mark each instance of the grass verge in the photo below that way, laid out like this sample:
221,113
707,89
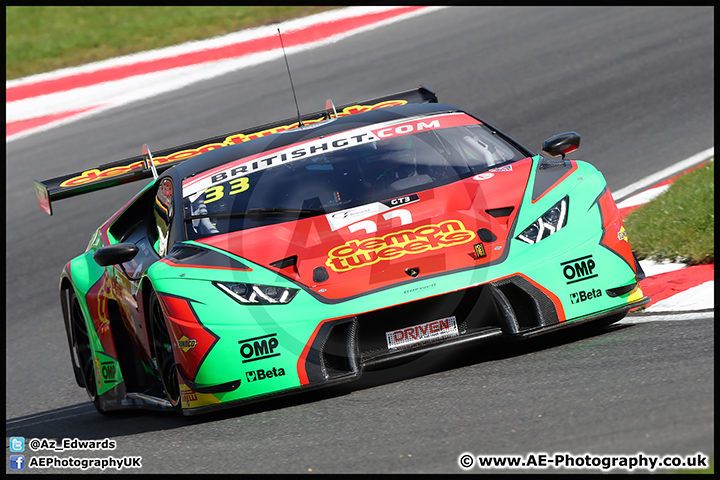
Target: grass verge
45,38
678,224
710,470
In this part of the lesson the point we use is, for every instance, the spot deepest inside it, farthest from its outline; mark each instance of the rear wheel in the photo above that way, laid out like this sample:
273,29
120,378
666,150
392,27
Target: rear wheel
163,352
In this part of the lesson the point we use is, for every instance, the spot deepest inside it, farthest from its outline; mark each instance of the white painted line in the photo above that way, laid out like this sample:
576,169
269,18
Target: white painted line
665,173
123,92
643,197
699,297
651,267
674,317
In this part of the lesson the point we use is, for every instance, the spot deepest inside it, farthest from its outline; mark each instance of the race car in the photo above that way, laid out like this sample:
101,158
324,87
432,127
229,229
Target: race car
298,254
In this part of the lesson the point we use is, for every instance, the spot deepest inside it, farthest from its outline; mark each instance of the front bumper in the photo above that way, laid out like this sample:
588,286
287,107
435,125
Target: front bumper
340,349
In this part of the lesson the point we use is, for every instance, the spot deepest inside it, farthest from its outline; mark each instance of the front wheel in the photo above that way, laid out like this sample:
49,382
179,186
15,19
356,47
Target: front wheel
163,352
82,352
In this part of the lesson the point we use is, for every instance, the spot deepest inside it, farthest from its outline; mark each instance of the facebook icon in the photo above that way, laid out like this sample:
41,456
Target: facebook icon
17,462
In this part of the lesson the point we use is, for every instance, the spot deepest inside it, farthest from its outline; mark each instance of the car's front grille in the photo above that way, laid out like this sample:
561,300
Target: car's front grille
512,306
472,308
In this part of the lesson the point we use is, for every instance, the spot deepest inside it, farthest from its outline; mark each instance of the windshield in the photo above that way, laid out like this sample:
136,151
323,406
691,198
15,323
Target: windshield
341,171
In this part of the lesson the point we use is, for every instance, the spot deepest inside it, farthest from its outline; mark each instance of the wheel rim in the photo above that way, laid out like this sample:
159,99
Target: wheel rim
81,346
162,348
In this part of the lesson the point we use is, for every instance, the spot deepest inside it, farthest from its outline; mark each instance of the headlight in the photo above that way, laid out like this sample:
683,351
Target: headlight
551,221
251,294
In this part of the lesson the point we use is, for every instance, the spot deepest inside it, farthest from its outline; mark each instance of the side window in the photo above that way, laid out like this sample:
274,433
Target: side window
163,210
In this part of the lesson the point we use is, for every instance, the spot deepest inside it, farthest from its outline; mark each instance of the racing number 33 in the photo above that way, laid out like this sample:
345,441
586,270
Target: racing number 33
238,185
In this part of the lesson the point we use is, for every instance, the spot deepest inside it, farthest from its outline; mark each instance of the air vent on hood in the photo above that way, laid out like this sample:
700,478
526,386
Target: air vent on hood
285,262
500,212
198,257
547,164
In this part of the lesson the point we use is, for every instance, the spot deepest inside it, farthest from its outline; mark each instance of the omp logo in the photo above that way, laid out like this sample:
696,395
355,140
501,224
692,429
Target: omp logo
259,348
579,269
108,371
262,374
357,254
185,343
583,296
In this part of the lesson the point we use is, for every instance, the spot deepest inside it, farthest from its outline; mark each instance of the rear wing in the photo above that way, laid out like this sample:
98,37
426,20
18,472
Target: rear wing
146,165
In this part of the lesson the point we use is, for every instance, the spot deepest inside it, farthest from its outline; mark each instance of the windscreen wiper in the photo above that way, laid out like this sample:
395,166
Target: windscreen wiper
262,213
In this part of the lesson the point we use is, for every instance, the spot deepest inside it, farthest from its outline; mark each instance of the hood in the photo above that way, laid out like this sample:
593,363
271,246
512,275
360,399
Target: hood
351,252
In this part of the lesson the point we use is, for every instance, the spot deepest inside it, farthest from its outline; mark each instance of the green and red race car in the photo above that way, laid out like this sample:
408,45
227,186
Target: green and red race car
297,254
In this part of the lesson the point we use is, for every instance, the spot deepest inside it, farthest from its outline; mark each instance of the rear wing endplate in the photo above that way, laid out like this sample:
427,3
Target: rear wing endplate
150,165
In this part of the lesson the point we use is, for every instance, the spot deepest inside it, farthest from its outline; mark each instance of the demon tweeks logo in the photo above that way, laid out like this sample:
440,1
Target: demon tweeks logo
356,253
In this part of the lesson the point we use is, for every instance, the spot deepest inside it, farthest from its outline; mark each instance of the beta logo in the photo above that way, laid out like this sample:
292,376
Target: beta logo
259,348
579,269
262,374
582,296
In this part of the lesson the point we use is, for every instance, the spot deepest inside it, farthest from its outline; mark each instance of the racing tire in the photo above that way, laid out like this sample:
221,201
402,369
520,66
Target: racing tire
82,352
163,352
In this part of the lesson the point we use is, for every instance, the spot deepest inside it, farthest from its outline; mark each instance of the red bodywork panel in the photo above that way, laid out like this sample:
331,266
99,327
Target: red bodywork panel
435,232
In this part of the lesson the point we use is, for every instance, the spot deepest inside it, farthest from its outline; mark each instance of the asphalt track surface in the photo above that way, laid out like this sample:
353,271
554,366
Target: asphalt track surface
636,83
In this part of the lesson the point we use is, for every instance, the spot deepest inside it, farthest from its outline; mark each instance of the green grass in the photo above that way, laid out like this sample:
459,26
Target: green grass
41,39
710,470
678,224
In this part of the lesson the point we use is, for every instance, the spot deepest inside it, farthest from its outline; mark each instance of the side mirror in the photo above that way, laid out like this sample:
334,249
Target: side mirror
561,144
115,254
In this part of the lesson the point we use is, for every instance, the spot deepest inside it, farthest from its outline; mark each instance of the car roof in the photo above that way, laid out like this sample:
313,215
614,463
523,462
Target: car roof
230,153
